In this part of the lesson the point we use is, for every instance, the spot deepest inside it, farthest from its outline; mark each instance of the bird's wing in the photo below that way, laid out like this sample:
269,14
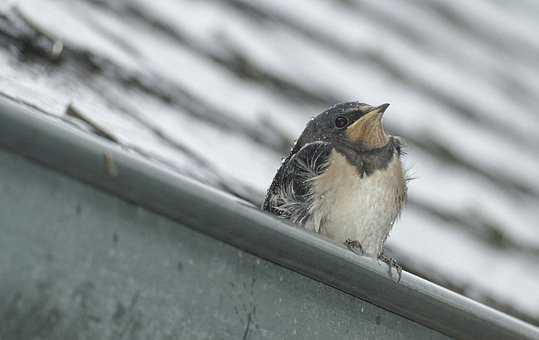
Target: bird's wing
290,194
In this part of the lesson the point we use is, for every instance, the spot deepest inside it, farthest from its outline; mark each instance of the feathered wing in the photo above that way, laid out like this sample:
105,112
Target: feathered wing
290,196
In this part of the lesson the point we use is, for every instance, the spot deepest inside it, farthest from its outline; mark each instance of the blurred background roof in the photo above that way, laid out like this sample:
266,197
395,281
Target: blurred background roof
217,90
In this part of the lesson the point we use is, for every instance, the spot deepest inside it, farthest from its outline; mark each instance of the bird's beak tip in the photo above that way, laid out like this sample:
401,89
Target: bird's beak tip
382,108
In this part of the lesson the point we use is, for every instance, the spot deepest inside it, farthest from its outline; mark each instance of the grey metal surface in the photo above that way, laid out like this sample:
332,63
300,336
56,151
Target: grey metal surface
77,263
220,216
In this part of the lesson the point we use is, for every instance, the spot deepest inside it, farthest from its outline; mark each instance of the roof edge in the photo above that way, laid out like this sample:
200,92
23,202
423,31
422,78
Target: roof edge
107,166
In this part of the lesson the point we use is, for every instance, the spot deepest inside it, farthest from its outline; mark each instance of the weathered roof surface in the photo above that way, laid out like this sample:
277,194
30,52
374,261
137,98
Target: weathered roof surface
217,90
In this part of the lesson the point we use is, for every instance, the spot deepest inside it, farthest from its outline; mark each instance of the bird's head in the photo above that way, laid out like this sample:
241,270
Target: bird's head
353,124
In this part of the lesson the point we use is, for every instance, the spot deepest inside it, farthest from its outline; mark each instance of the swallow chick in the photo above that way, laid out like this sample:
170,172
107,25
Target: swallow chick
343,178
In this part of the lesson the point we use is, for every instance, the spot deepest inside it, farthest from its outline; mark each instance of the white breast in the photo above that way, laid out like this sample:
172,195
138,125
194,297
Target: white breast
367,206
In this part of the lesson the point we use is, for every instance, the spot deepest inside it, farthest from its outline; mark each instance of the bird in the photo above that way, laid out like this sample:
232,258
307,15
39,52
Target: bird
343,178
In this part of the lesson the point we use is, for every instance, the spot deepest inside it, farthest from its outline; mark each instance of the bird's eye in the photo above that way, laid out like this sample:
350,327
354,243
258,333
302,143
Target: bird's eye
341,122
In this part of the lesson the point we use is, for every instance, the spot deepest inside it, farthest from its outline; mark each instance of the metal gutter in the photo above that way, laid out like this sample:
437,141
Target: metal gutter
221,216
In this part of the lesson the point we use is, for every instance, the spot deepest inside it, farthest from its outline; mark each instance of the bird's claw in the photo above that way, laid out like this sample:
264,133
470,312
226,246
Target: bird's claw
392,263
354,246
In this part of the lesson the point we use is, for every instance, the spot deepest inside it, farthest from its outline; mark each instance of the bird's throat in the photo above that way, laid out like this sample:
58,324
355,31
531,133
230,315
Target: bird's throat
370,160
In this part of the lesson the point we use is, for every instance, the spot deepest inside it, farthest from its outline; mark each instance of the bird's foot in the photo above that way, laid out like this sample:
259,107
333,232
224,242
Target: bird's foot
392,263
354,246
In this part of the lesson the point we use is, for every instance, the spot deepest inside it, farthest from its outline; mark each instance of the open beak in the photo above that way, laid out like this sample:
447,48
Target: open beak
369,129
